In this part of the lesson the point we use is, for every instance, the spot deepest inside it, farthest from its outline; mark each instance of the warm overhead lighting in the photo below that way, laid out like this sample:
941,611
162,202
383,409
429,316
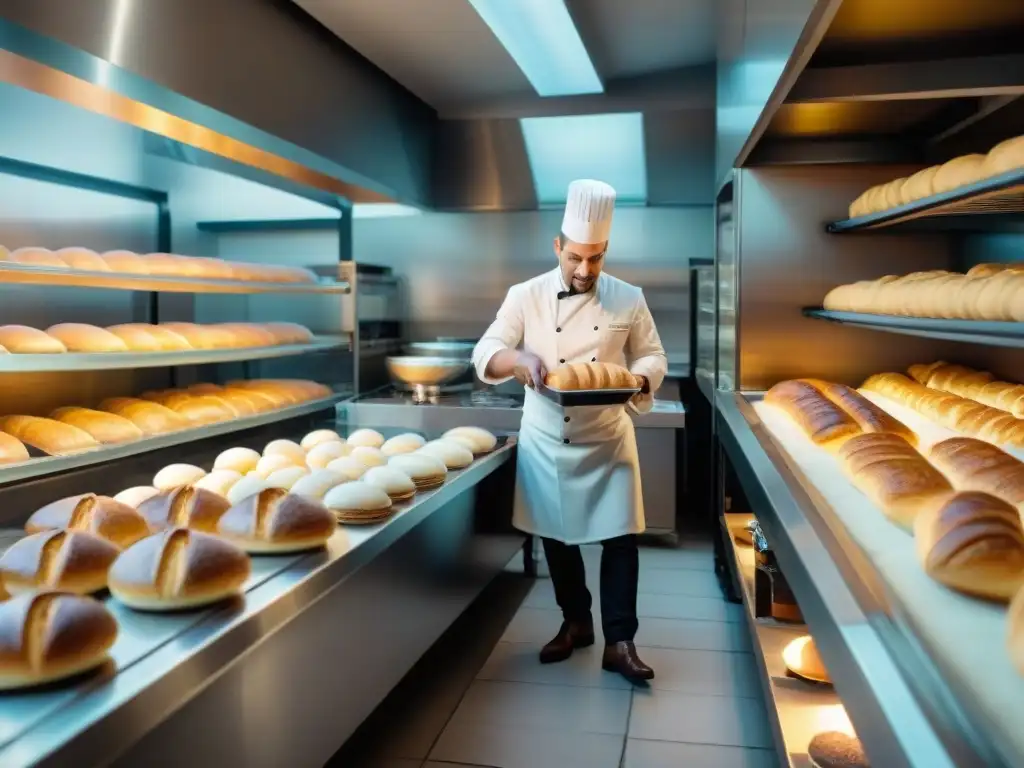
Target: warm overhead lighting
606,147
541,38
382,210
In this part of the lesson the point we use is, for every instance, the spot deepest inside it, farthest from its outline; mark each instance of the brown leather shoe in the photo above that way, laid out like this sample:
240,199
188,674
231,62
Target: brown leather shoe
571,635
621,657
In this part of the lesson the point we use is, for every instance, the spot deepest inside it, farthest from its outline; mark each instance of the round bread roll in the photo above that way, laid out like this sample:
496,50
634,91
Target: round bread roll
106,428
174,475
37,257
286,478
454,454
250,484
79,337
358,503
289,333
371,457
395,483
184,507
319,437
135,495
99,515
12,450
287,448
49,636
69,561
317,483
274,521
323,454
268,465
1005,156
241,460
405,443
22,340
958,172
426,471
178,569
219,481
125,261
479,440
83,259
348,467
802,659
369,438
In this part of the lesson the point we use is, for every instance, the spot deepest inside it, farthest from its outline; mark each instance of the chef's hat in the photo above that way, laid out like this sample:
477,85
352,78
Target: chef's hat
588,211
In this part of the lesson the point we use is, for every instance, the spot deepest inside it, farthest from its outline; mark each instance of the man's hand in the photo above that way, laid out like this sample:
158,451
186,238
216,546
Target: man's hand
529,370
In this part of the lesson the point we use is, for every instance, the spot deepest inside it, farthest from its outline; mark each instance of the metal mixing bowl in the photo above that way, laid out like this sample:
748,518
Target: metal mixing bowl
425,370
456,350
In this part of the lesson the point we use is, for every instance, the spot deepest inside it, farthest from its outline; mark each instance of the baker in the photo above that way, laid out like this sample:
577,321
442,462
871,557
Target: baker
577,474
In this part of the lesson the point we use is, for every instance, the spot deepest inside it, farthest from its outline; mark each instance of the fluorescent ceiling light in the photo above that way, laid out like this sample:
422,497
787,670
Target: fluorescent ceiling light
542,40
605,147
382,210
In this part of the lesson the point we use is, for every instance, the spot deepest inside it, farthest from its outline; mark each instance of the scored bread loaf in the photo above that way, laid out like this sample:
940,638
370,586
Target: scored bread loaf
178,569
79,337
184,507
151,418
107,428
821,420
894,476
868,416
48,435
20,339
274,521
979,386
973,543
974,465
583,376
69,561
48,636
99,515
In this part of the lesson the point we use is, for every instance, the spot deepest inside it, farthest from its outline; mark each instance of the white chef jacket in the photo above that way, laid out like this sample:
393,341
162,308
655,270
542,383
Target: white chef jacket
577,473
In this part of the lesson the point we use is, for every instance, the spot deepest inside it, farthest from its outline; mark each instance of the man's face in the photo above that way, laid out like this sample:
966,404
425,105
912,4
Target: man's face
580,263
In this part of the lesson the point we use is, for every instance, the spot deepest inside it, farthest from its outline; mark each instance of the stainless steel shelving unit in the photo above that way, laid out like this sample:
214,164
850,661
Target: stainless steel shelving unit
992,332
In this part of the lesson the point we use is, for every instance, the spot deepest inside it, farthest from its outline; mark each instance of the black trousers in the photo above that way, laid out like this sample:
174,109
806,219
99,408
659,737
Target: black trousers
620,571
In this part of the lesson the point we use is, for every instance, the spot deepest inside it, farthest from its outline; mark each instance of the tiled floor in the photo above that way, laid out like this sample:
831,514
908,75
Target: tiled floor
481,699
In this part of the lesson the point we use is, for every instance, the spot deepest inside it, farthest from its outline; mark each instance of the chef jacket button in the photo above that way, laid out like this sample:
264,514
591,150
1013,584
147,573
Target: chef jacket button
593,359
558,330
595,327
566,441
566,419
561,359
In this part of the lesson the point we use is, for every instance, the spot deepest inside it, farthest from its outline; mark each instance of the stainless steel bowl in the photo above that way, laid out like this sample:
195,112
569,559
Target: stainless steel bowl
425,370
456,350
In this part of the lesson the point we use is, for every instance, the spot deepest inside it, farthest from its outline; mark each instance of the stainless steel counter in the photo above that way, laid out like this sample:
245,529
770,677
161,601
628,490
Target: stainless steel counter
335,629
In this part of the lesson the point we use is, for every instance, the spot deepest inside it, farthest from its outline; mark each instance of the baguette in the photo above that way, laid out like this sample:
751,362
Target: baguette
821,420
79,337
274,521
20,339
106,428
137,337
12,450
974,465
151,418
868,416
47,435
69,561
897,479
582,376
979,386
99,515
973,543
49,636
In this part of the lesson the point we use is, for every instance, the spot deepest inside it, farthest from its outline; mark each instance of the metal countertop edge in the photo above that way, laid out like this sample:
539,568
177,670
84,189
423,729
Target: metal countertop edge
895,730
139,697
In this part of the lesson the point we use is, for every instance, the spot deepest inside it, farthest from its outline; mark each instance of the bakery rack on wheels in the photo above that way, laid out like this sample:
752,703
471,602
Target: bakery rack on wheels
867,95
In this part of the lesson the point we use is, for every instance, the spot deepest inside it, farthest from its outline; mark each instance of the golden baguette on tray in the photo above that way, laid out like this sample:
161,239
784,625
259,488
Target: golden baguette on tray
588,376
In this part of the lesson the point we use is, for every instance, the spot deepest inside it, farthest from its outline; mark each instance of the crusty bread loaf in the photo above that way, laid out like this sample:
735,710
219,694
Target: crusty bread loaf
79,337
974,465
47,435
178,569
184,507
48,636
197,336
973,543
20,339
822,421
979,386
167,338
897,479
69,561
477,439
100,515
584,376
12,450
868,416
151,418
126,262
137,337
275,521
107,428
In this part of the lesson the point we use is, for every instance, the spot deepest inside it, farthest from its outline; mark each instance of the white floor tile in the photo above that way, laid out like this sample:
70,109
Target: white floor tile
687,607
517,662
667,754
669,581
510,746
533,625
689,633
529,706
677,559
669,716
703,673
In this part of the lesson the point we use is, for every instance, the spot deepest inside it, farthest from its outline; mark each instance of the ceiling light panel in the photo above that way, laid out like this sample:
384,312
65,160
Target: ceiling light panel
541,38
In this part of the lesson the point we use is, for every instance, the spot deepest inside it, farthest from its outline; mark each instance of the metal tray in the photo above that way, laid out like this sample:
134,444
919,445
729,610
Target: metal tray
997,333
582,397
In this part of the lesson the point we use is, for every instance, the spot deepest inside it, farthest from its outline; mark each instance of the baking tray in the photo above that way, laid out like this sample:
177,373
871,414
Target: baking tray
577,398
997,333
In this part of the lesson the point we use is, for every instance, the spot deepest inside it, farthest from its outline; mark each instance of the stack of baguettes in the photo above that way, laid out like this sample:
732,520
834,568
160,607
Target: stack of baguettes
156,265
146,337
958,172
939,393
986,292
123,419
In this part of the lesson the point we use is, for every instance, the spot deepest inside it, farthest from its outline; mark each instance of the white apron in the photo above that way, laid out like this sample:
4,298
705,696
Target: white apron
577,473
